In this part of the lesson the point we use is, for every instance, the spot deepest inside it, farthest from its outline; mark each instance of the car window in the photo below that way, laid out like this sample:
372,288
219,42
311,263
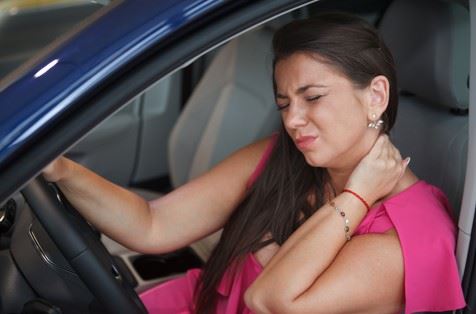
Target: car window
28,26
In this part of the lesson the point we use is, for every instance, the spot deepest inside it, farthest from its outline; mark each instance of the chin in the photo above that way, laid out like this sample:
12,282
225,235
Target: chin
316,162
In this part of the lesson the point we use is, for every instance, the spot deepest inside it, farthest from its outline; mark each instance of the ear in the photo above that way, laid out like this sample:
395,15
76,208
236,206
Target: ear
378,95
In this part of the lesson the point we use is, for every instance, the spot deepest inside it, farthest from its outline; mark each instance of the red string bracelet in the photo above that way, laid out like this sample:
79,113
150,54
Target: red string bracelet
359,197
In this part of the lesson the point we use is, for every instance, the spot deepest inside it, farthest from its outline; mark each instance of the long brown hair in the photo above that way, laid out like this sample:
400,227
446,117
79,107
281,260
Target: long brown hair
276,200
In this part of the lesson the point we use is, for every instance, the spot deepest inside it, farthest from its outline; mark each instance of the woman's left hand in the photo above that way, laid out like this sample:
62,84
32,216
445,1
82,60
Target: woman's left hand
378,172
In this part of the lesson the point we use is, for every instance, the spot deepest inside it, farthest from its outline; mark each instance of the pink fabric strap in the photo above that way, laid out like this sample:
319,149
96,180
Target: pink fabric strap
264,159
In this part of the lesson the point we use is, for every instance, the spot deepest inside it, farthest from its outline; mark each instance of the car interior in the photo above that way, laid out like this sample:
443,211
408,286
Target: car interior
190,120
222,115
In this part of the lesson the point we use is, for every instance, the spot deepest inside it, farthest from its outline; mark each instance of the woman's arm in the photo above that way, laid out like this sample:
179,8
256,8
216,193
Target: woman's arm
177,219
302,277
318,271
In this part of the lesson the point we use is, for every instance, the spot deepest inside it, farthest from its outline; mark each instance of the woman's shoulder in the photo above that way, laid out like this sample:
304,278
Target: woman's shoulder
414,194
247,158
422,206
420,197
260,151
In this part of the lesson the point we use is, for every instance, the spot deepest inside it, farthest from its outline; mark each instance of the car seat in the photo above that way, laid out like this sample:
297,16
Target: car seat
429,40
231,107
430,43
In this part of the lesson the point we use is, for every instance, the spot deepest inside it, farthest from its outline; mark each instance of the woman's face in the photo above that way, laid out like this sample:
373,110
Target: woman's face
322,111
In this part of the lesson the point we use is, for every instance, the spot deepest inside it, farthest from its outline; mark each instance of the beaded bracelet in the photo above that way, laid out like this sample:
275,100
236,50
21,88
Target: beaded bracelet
346,220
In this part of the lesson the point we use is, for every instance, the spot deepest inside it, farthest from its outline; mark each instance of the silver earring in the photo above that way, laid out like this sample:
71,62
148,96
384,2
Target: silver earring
375,124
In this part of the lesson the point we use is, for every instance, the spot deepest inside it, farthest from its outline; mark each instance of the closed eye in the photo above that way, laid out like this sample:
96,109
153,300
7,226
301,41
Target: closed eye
280,107
313,98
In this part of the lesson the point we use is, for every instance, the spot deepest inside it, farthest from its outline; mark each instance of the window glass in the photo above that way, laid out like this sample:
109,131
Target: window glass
28,26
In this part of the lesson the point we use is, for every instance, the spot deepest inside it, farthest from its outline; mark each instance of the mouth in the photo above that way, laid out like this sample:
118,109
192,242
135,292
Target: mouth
304,142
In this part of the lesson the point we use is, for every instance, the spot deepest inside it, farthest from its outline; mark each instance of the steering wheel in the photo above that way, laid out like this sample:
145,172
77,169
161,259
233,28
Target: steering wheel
82,249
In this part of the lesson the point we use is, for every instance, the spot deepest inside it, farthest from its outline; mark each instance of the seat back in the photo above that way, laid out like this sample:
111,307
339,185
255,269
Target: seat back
430,43
230,108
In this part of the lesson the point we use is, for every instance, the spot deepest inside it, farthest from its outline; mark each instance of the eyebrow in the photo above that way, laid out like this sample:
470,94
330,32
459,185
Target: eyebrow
302,89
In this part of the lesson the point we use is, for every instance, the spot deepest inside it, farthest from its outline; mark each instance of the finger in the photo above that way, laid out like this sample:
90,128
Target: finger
378,147
396,154
404,165
387,150
392,151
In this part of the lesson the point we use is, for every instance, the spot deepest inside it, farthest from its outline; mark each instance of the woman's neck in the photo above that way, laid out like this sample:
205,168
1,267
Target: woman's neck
339,178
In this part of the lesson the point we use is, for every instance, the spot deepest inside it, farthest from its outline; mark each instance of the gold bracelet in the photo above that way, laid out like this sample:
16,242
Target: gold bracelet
346,220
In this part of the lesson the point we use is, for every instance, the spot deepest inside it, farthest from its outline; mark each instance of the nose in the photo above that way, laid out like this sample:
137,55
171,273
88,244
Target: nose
295,117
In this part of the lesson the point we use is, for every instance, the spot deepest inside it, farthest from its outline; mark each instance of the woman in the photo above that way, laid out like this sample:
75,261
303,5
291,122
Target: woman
297,198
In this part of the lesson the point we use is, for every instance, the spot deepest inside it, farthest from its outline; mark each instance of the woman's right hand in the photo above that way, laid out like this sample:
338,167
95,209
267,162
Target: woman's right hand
379,171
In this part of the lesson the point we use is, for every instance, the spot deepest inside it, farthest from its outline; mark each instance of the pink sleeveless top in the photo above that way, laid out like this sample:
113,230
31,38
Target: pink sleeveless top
420,216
